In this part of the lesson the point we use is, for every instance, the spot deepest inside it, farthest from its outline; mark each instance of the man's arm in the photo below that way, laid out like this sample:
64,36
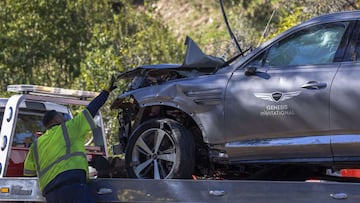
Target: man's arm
100,100
29,165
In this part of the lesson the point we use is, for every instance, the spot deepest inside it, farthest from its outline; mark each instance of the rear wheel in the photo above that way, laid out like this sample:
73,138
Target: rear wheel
160,149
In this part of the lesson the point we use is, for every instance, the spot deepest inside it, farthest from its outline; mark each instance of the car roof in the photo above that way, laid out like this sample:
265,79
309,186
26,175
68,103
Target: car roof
326,18
338,16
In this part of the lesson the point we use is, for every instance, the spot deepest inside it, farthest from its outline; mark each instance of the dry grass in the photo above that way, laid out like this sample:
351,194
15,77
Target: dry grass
185,17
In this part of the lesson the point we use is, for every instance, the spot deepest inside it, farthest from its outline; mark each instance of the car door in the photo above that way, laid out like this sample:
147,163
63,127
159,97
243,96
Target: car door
345,105
277,104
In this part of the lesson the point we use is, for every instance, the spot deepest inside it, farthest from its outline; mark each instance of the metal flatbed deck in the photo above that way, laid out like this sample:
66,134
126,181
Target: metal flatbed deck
131,190
148,191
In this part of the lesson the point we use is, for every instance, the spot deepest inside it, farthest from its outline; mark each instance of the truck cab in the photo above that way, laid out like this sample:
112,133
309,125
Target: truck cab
22,114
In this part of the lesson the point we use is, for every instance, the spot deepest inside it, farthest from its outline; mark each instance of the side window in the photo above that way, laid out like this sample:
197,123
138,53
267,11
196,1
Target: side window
356,54
258,61
314,45
26,129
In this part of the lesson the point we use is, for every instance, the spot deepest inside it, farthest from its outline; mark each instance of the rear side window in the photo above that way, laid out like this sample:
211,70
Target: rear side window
315,45
27,127
29,120
356,55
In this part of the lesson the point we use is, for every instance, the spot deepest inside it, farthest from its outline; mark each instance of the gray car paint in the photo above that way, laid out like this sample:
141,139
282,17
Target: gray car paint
311,125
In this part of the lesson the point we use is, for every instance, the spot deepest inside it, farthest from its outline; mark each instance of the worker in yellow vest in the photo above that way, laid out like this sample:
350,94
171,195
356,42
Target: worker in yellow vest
58,156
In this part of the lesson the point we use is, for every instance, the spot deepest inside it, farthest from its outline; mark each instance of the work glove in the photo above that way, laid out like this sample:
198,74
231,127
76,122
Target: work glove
111,85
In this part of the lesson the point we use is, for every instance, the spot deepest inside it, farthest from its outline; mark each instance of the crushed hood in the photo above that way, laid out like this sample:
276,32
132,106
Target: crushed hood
194,59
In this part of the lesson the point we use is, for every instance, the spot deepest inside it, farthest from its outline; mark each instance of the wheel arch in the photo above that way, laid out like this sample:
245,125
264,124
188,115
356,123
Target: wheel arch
144,108
160,148
165,110
186,119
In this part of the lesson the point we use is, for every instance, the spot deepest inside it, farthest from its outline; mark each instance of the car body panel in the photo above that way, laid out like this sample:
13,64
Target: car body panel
345,97
253,115
200,98
263,107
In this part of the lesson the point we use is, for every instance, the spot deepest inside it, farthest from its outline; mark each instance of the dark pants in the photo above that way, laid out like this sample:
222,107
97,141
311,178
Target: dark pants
69,186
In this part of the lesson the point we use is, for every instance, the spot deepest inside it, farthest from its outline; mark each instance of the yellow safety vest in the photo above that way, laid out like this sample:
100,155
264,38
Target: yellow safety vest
59,149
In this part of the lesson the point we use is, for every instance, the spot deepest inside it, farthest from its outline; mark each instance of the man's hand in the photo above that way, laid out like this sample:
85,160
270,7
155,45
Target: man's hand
111,85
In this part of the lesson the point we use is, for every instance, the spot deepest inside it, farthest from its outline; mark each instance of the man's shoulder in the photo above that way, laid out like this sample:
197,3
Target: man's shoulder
82,115
80,119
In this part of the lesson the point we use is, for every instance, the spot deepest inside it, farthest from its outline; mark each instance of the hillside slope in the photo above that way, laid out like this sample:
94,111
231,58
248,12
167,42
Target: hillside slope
202,20
184,16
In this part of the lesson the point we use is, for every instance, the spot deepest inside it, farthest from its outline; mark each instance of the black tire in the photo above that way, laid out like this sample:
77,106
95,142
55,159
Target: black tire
160,149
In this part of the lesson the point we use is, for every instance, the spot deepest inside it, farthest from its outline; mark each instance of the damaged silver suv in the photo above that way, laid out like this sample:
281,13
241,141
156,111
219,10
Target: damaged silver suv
293,100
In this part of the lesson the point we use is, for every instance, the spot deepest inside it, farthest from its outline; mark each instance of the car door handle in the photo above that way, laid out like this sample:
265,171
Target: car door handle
314,85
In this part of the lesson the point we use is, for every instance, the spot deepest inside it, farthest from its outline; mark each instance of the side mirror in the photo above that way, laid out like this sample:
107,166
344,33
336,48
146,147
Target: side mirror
253,70
250,70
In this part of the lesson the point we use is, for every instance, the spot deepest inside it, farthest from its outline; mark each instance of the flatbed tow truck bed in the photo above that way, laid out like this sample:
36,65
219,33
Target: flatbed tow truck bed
146,191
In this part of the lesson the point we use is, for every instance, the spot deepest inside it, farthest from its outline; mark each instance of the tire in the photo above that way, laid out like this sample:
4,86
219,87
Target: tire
160,149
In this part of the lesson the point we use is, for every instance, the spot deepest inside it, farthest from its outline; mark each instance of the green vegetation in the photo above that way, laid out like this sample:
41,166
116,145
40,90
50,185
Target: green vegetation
69,41
79,44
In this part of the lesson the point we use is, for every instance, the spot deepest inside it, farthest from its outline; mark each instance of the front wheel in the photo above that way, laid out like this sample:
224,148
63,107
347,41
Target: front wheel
160,149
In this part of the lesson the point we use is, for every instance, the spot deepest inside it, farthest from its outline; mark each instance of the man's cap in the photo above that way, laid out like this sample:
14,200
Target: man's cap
49,116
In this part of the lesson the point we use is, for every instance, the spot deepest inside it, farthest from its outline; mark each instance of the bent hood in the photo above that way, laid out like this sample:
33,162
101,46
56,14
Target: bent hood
194,59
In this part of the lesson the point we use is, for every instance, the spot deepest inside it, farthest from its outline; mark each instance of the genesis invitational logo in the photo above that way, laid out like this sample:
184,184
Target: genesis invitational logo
277,96
277,109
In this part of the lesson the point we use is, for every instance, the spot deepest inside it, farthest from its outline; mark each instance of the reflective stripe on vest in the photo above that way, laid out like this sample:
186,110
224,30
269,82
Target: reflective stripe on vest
90,120
67,143
29,172
64,157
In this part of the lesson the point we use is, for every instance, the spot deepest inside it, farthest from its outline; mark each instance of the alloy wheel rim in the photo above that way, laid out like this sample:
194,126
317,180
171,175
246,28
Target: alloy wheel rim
154,154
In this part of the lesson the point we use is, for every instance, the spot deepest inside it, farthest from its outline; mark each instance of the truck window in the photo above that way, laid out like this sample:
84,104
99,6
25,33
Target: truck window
27,127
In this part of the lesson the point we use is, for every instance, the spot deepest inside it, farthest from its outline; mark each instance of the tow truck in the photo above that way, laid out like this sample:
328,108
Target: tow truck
36,100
